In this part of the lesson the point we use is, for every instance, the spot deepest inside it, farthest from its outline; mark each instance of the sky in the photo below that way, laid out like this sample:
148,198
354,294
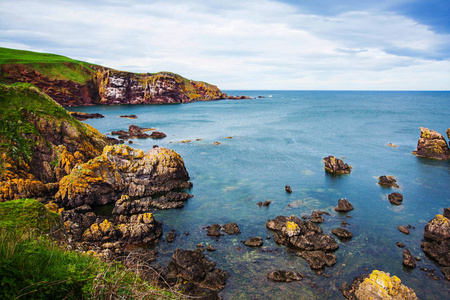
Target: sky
247,44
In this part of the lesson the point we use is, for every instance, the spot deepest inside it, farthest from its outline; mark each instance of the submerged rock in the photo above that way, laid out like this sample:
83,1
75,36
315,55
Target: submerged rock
343,205
336,166
285,276
214,230
231,228
387,181
316,217
254,242
377,286
171,236
432,144
395,198
303,236
403,229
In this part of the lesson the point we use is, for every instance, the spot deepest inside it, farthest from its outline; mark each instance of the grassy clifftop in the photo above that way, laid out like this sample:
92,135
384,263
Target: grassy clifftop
73,82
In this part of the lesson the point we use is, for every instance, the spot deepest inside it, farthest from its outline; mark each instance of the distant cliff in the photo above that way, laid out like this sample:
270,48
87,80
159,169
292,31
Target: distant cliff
72,83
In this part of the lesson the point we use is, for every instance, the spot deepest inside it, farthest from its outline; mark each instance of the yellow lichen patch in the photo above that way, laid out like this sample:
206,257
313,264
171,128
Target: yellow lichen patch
147,218
292,229
441,219
51,206
379,285
106,226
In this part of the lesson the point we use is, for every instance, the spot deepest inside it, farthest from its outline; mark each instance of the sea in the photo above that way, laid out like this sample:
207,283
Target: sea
280,138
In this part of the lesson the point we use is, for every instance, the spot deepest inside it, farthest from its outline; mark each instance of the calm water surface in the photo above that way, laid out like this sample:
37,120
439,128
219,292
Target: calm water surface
281,140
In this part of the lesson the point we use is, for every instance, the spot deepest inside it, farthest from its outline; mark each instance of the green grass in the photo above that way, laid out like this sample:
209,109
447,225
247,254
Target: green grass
50,65
15,101
34,266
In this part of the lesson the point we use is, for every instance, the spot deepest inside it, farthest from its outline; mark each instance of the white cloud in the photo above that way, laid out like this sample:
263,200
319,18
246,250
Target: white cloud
235,44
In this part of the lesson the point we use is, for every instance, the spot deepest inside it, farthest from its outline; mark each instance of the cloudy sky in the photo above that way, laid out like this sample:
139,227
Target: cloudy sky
247,44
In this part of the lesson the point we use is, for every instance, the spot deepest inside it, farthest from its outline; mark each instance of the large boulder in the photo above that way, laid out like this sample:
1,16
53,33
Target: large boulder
437,243
377,286
336,166
304,236
123,170
432,144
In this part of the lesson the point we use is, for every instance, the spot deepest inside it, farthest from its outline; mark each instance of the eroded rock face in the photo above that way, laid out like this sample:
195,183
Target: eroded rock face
377,286
432,144
304,236
437,245
336,166
122,170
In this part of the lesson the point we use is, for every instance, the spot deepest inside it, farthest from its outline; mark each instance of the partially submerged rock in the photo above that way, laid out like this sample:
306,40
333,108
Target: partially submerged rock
403,229
304,236
437,243
395,198
342,233
171,236
231,228
408,260
82,116
128,116
216,229
432,144
288,189
318,259
343,205
387,181
336,166
377,286
254,242
285,276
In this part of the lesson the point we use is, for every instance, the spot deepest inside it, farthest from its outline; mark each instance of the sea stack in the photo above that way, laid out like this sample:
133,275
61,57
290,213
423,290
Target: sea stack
432,144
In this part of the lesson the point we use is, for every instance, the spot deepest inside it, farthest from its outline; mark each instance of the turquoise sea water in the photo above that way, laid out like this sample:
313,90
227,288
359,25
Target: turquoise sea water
281,140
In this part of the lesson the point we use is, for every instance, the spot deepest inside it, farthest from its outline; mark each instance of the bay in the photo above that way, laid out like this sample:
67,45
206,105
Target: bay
281,139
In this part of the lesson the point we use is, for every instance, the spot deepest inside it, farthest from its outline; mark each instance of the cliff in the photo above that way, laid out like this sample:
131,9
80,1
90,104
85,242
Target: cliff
70,82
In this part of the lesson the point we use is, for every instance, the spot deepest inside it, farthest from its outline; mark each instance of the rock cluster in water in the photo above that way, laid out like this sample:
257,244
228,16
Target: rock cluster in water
216,229
336,166
377,286
432,144
387,181
306,238
135,131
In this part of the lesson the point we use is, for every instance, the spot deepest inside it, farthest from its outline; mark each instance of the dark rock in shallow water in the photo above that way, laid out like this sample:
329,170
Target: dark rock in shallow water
285,276
254,242
157,135
395,198
408,259
318,259
387,181
403,229
171,236
81,116
342,233
432,144
400,245
128,116
210,248
214,230
288,189
316,217
231,228
343,205
336,166
265,203
447,213
198,275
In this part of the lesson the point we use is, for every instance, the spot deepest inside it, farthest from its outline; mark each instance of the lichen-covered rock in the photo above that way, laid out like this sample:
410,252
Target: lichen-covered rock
387,181
432,144
336,166
378,286
437,231
303,236
100,232
142,229
123,170
343,205
127,206
285,276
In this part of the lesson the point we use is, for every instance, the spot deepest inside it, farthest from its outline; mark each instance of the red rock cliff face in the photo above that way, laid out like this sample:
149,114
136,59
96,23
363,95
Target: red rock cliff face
107,86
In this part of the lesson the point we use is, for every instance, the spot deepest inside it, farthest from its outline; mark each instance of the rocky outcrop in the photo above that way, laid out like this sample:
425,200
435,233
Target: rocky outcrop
40,143
342,233
216,229
254,242
129,206
343,205
135,131
195,275
407,259
377,286
336,166
304,236
285,276
432,144
122,170
81,116
437,243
